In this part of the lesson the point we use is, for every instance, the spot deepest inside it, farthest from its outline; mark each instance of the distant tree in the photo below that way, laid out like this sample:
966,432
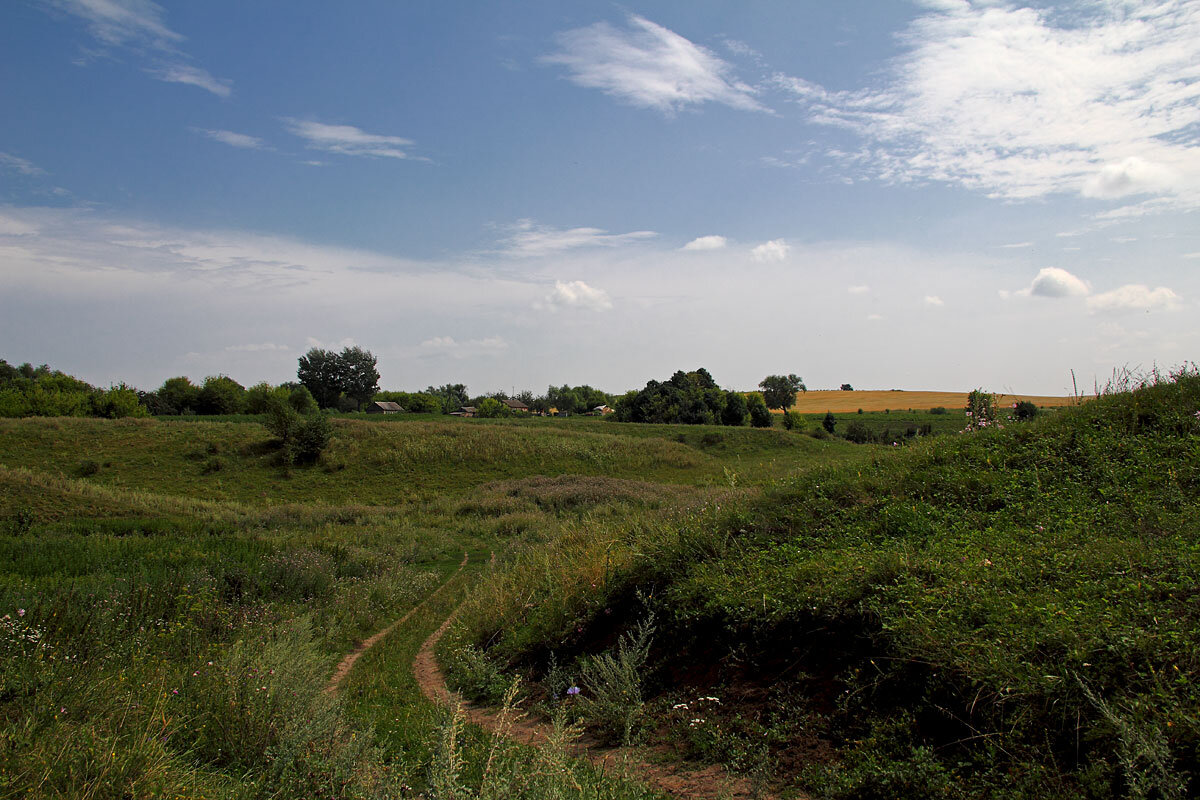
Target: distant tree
793,421
736,410
1025,410
688,398
779,391
760,415
490,407
858,432
178,396
220,394
118,402
301,399
359,376
323,373
829,422
453,396
847,387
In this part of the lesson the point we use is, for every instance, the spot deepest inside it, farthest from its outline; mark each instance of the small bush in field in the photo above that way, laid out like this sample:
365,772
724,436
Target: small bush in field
1025,410
303,437
793,421
614,681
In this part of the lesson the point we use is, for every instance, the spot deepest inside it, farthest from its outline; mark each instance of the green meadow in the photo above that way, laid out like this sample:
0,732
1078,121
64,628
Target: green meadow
1005,613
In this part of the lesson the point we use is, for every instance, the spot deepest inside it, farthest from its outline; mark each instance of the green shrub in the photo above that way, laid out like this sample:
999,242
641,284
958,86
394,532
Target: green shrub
614,701
793,421
858,433
760,415
939,410
829,422
1025,410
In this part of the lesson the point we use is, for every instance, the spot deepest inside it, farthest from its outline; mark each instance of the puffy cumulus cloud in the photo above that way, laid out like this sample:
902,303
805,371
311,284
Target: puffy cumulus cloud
706,243
1056,282
530,239
348,140
649,66
1135,297
1133,175
577,294
934,301
774,250
1101,99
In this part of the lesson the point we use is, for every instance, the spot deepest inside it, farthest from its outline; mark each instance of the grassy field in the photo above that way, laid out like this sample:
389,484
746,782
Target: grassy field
1007,613
839,402
172,599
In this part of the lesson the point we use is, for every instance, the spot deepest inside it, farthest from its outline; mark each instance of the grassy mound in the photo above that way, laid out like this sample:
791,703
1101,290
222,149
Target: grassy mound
1010,613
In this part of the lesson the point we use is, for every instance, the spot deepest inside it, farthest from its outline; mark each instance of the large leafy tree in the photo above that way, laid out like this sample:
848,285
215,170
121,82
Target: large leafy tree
779,391
359,373
323,373
452,395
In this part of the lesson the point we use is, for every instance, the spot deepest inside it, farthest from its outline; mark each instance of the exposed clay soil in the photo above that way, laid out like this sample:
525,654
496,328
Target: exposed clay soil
676,779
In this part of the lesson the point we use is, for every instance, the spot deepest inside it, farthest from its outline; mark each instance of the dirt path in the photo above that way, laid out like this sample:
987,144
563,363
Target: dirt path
347,663
676,779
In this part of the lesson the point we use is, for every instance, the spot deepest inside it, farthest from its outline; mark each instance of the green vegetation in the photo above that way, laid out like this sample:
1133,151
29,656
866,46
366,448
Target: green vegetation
1007,613
779,391
688,398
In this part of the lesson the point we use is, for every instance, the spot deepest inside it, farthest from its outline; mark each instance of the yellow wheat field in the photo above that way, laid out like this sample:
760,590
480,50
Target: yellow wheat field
818,402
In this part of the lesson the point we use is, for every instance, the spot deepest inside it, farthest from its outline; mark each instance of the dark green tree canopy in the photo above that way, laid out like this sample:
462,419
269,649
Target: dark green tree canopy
330,376
689,398
779,391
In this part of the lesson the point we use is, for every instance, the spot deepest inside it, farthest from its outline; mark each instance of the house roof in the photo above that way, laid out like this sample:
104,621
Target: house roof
515,404
387,405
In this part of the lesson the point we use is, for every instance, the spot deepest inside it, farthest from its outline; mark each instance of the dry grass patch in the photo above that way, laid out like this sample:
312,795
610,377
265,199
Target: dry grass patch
839,402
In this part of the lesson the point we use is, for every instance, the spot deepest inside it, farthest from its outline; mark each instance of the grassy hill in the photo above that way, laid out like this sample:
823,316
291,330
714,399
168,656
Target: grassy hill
172,599
1009,613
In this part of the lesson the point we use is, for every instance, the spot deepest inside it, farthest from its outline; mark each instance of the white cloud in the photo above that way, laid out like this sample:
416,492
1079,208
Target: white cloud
706,243
577,294
20,165
874,317
10,226
1017,245
858,289
265,347
934,300
774,250
348,140
1056,282
232,139
1102,101
1135,297
449,346
1191,255
140,26
532,240
649,66
124,22
193,76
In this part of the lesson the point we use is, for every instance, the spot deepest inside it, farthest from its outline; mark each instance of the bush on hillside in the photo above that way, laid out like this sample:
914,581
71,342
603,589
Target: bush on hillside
760,415
302,438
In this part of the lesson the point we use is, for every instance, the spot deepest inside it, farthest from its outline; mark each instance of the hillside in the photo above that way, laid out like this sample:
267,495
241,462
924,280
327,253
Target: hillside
1008,613
839,402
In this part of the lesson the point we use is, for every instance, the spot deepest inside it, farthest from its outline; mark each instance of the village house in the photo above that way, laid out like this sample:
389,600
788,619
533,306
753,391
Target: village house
384,407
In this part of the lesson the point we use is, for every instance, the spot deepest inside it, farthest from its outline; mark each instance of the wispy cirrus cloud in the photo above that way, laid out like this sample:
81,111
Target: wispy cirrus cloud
348,140
242,140
465,348
140,26
193,76
20,165
1101,100
647,65
529,239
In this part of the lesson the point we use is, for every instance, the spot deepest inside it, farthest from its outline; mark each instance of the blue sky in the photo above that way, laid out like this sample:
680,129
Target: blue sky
927,195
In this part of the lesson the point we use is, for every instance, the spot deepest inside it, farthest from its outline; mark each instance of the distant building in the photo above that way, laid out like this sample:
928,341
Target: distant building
464,411
384,407
600,411
516,405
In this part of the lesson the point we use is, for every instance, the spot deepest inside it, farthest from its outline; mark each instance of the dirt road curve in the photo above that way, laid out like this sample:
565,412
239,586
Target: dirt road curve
347,663
678,780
